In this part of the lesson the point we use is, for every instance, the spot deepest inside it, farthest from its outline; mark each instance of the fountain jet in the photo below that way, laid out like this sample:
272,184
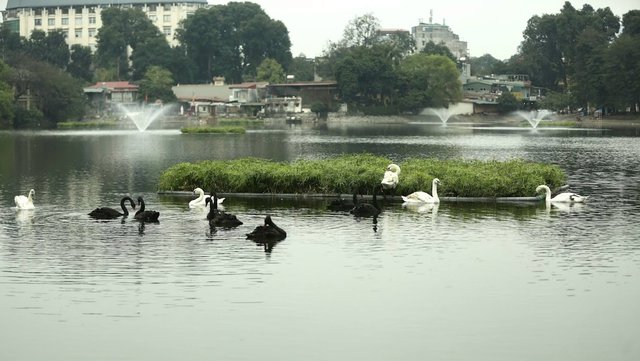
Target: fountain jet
535,116
143,115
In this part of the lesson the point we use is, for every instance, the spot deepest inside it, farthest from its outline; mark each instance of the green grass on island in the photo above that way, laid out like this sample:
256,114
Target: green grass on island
361,173
98,124
215,130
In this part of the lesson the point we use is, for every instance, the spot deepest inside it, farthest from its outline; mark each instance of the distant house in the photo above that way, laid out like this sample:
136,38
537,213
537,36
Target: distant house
203,99
104,95
485,91
309,92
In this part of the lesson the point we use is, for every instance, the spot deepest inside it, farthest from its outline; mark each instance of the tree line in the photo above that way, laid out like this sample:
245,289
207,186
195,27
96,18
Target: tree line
582,58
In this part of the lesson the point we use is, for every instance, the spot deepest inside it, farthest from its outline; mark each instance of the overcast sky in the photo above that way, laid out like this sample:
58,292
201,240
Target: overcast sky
493,27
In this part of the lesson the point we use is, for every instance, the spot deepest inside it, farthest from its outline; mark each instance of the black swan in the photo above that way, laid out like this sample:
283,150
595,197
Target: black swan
218,218
342,205
268,232
363,209
110,213
144,215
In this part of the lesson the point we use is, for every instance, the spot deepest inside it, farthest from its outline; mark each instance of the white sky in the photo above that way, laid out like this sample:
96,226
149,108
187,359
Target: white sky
493,27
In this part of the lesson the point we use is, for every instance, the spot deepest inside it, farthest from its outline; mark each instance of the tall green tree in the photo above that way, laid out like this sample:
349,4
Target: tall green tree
432,48
80,65
232,40
428,81
6,97
622,65
156,85
270,71
486,65
302,68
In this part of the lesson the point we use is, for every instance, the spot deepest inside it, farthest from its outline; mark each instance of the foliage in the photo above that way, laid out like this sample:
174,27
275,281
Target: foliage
27,118
50,47
232,40
486,65
216,130
428,81
302,68
81,62
432,48
157,84
270,71
558,101
99,124
6,97
507,103
362,173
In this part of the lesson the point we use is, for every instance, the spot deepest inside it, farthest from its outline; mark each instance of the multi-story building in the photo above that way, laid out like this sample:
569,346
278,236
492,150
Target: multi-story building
80,20
439,33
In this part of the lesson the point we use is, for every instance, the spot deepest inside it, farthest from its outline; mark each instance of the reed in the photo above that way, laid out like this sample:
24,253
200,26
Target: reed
362,173
215,130
87,124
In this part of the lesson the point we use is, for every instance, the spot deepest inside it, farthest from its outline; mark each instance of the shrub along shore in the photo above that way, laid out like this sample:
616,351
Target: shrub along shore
362,173
216,130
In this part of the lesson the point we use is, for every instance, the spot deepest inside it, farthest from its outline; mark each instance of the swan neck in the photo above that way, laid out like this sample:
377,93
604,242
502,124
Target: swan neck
434,190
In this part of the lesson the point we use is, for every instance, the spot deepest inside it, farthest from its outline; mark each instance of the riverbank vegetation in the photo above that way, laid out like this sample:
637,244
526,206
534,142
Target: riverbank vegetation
98,124
362,173
213,130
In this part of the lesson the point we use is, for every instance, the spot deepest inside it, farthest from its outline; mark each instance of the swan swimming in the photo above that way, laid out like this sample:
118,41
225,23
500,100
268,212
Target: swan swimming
23,202
424,197
566,197
390,178
362,209
219,218
201,200
268,232
144,215
110,213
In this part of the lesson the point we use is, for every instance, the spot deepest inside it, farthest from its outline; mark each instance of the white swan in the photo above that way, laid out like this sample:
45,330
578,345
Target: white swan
23,202
424,197
201,200
390,178
566,197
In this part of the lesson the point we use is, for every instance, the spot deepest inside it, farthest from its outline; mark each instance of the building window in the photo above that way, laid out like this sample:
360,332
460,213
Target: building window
166,30
37,12
92,32
92,10
51,22
153,18
78,33
153,7
166,18
37,22
65,11
166,7
79,20
65,21
92,20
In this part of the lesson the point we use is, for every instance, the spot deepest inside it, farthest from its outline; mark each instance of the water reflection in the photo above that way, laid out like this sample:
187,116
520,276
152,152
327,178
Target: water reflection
427,272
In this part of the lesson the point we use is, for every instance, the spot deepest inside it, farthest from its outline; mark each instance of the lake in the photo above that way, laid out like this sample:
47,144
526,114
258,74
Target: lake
459,281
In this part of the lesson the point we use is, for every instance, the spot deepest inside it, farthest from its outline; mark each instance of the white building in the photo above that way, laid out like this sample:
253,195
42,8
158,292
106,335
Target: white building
80,19
423,33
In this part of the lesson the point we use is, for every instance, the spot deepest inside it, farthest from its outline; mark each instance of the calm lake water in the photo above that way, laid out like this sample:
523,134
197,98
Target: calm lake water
456,282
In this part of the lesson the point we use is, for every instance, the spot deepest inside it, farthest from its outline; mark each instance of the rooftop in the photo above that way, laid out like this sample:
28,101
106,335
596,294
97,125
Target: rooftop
18,4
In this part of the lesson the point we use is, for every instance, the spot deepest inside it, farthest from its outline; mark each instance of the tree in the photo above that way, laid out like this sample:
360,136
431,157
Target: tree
6,97
486,65
50,47
156,85
270,71
507,103
81,62
428,81
361,31
622,65
432,48
366,77
302,68
232,40
10,42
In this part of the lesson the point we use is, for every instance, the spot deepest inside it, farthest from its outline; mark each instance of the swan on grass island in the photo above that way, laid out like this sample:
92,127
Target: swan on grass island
110,213
144,215
566,197
25,202
200,202
390,178
424,197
